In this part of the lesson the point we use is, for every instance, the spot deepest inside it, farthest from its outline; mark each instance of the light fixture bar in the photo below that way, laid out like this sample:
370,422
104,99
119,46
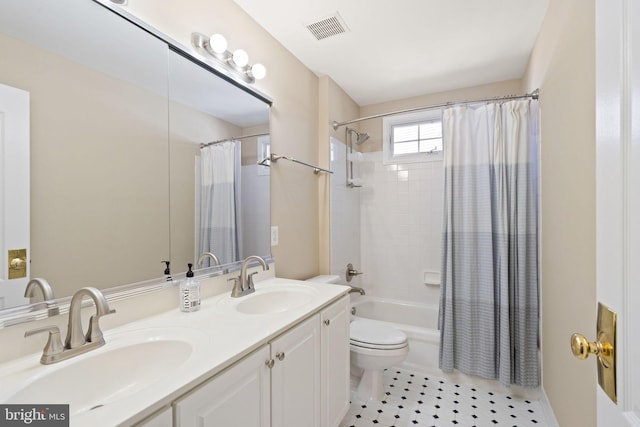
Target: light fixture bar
236,63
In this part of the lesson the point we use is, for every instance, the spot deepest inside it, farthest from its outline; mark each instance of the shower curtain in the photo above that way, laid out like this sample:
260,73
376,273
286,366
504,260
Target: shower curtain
219,216
488,316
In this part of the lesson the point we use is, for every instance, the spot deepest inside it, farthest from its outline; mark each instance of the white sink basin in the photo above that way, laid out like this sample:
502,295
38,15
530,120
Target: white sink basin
106,375
276,298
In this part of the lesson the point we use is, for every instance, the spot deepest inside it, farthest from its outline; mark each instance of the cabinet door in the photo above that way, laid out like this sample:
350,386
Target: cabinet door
295,376
238,397
335,362
162,418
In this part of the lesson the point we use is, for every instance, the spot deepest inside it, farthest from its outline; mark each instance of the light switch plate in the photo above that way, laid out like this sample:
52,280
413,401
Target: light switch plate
274,235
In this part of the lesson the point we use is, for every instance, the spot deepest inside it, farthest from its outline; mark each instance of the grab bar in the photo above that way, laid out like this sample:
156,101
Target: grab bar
275,157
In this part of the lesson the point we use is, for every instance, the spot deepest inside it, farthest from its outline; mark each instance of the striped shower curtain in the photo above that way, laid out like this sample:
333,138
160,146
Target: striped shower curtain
219,228
489,299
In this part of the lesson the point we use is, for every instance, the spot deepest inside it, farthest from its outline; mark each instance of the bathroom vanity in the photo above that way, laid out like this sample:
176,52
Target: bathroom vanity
276,357
298,378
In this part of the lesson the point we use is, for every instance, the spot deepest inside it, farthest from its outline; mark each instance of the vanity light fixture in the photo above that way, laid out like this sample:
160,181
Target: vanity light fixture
215,47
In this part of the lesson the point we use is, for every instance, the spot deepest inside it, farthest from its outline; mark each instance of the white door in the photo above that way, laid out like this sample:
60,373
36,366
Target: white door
14,189
618,197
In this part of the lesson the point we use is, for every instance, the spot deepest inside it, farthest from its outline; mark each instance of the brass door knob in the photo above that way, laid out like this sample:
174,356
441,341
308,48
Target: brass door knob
18,263
582,347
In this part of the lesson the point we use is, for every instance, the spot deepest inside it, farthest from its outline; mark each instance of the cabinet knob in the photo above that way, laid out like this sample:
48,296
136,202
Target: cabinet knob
270,363
327,322
280,355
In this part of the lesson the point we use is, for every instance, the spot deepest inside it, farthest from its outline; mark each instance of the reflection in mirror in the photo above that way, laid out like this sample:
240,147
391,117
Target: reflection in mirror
113,181
219,195
98,143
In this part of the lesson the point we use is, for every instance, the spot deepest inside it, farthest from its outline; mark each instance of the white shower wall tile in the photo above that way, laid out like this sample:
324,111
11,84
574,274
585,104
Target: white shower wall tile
390,228
401,223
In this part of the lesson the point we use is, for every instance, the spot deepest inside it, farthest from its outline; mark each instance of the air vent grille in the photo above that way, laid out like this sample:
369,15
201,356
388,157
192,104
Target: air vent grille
328,27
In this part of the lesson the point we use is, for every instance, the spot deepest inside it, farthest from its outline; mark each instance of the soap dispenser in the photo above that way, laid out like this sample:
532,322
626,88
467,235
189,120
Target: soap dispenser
167,272
189,292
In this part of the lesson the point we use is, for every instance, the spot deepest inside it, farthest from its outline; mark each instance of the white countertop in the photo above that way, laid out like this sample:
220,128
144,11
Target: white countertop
218,333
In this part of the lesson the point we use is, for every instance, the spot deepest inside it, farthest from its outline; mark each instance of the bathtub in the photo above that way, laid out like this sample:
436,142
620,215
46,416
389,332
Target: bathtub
418,321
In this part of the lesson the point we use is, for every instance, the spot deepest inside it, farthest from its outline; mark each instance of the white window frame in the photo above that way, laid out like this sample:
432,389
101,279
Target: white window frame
387,149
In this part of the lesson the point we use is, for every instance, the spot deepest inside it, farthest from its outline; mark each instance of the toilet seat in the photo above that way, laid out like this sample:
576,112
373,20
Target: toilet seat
374,336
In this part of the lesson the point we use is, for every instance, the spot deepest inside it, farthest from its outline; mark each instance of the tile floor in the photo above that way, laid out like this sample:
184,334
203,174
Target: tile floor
418,399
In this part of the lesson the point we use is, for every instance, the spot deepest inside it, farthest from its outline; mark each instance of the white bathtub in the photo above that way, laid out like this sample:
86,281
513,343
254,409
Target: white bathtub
418,321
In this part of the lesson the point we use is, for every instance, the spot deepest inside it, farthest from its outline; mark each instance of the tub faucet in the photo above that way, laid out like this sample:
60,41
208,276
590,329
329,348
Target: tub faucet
355,289
76,342
216,261
243,285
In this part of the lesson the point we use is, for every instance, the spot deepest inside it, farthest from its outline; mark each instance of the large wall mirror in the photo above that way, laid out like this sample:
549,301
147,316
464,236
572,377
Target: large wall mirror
128,138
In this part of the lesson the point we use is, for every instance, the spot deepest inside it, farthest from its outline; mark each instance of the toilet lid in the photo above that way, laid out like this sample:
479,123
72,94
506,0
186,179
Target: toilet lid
374,334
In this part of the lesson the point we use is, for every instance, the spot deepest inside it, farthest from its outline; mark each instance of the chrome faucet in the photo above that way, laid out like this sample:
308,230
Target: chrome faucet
216,261
355,289
75,334
47,294
41,284
242,286
77,342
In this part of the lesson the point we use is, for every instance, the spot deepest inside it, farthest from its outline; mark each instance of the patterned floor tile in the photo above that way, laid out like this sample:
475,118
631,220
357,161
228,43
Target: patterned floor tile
414,399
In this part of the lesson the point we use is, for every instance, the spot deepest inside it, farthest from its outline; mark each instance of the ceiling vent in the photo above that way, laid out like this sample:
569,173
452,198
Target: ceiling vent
328,27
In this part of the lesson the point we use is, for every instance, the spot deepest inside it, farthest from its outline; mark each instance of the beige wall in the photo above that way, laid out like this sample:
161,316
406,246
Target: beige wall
334,105
294,117
563,67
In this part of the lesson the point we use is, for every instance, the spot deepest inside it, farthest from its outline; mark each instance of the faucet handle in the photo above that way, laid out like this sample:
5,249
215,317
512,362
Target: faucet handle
94,334
237,286
54,343
250,280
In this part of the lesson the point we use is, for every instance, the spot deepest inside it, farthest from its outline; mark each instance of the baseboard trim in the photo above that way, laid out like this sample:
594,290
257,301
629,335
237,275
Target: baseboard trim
547,410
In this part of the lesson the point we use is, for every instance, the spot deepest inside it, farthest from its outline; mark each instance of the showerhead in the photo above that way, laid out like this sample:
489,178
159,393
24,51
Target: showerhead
362,137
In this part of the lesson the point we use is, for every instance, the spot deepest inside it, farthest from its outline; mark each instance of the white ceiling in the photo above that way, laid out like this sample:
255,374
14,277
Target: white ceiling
404,48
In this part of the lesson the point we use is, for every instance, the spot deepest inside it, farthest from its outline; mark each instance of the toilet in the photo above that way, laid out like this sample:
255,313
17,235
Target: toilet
374,348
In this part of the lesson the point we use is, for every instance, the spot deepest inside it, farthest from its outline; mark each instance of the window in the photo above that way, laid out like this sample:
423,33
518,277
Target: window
415,137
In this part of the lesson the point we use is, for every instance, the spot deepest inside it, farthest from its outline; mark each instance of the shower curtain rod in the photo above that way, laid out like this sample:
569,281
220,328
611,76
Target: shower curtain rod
532,95
233,138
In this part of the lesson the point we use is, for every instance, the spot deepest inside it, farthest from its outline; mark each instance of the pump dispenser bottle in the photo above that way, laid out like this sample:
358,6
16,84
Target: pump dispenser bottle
189,292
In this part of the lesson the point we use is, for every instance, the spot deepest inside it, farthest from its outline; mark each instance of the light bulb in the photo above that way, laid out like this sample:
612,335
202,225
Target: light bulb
218,43
240,58
258,71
